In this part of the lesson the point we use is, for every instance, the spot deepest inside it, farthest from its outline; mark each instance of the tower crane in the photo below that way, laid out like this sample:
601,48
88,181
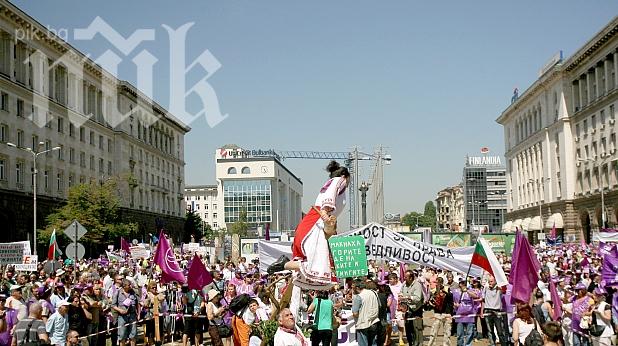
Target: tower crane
350,160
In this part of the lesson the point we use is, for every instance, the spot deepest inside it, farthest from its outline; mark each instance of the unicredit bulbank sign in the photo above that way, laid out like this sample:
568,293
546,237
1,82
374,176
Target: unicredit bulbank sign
484,161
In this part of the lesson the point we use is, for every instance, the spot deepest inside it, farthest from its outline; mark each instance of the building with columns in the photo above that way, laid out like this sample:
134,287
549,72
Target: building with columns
52,95
450,209
560,144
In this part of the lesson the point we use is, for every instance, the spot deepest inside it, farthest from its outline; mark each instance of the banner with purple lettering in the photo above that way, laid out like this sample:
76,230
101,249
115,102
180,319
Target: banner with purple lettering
382,243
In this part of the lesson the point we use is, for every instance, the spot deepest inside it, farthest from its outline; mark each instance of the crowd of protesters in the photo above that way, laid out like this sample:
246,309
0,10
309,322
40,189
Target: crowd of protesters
98,301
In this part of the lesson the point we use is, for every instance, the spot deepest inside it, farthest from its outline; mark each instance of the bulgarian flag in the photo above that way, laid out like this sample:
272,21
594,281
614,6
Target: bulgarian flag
53,251
485,258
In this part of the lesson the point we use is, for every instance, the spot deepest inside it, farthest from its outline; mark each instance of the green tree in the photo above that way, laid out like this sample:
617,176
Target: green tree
430,210
96,207
193,226
240,227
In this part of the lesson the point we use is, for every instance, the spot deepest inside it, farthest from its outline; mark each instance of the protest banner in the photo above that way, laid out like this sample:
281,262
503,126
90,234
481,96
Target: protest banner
349,256
11,253
190,248
28,264
26,246
382,243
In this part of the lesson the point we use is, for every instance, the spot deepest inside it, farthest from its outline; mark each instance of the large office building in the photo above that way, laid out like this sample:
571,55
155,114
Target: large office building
53,96
254,183
560,143
484,188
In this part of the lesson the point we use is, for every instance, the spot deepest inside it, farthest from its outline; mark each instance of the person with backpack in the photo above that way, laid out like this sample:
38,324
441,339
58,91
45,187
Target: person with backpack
31,330
442,304
323,319
540,310
525,328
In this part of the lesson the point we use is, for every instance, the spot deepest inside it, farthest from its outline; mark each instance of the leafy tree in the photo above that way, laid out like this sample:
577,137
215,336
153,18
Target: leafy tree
414,218
430,210
240,227
193,226
96,207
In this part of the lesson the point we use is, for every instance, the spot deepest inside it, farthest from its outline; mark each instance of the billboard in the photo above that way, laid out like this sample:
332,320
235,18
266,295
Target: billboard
500,243
451,240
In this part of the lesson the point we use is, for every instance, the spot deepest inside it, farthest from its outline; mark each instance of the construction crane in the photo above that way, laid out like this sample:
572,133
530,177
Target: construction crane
350,160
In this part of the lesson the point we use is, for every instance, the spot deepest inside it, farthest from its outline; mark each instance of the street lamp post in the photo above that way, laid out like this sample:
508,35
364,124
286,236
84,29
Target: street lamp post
35,154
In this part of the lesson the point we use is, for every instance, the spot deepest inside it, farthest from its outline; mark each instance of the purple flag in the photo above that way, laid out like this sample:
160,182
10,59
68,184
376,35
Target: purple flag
124,245
198,275
267,232
609,274
164,258
608,249
555,298
585,262
402,271
524,270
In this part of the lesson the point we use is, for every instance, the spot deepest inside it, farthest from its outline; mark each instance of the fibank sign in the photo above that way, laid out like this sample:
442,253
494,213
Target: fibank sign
239,153
484,161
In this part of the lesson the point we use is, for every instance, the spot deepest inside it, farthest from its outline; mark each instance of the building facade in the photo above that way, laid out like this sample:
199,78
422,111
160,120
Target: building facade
52,95
254,184
450,209
560,139
484,188
204,200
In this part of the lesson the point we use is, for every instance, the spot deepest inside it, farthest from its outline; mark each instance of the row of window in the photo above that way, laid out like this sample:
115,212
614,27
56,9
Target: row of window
151,159
244,170
596,82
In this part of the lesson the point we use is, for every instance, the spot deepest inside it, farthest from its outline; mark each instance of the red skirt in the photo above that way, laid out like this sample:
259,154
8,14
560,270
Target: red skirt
305,225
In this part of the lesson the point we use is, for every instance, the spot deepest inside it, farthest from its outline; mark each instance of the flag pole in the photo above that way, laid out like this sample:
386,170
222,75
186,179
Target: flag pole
467,275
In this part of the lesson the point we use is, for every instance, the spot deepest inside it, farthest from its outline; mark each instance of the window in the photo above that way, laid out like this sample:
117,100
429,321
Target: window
593,121
101,168
214,207
602,116
82,159
611,112
92,162
214,225
82,134
71,130
48,120
18,172
231,170
109,146
100,142
205,214
47,147
72,155
20,108
245,170
214,216
109,168
2,169
59,181
71,178
91,137
197,207
35,142
61,153
4,102
46,179
60,123
20,138
206,206
4,132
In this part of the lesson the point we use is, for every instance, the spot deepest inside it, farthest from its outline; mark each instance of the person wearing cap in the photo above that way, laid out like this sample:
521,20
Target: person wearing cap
42,294
33,325
16,302
60,294
215,312
57,325
582,308
603,314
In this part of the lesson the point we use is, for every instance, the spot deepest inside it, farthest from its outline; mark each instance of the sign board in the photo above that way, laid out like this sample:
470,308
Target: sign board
11,253
249,249
349,256
417,236
484,161
75,231
71,248
29,264
555,59
190,247
139,252
451,240
25,244
500,243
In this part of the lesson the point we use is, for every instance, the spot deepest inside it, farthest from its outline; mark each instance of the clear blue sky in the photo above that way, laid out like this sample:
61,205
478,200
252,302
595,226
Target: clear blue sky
426,79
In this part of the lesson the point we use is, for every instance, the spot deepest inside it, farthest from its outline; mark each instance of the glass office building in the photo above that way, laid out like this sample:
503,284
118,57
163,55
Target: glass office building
252,196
